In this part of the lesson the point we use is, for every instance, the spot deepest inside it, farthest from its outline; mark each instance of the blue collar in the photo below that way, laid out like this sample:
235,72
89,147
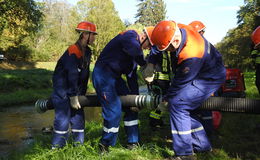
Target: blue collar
183,41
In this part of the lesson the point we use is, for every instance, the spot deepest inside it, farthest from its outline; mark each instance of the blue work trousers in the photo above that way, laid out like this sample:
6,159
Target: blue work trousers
65,116
108,88
188,133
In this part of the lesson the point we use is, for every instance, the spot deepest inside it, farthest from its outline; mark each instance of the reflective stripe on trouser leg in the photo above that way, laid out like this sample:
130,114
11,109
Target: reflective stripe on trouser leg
77,125
104,84
200,140
188,99
131,126
61,121
181,131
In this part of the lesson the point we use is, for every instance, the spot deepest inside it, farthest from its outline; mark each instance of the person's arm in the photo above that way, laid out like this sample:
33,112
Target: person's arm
71,66
154,55
131,46
132,82
254,54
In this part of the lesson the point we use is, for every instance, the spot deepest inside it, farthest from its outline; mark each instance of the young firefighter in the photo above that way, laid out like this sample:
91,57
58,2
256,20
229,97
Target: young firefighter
120,56
160,84
199,73
70,79
206,116
256,54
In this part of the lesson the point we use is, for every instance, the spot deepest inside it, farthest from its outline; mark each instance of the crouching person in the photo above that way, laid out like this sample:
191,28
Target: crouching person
119,57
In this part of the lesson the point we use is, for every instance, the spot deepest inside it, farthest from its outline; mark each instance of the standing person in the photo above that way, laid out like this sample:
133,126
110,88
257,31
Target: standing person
70,79
159,85
206,116
159,82
199,73
256,55
119,57
198,26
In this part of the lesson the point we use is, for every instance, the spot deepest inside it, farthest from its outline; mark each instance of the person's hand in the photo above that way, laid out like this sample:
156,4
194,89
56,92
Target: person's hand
148,72
135,109
163,106
74,102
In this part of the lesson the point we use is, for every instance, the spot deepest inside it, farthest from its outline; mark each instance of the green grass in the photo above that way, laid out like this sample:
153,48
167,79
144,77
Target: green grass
251,90
236,139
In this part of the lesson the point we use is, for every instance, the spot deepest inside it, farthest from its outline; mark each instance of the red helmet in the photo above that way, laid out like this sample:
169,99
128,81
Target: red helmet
148,31
163,34
86,26
256,36
197,26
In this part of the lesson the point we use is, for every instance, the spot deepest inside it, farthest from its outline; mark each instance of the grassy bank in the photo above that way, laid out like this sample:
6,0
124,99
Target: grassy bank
236,139
25,83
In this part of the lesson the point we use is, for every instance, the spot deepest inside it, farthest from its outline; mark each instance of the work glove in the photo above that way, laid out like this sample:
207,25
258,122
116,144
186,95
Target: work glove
163,106
148,72
135,109
74,102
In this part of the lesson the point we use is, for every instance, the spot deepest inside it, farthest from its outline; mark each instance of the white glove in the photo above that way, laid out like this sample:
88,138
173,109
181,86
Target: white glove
74,102
135,109
148,72
163,106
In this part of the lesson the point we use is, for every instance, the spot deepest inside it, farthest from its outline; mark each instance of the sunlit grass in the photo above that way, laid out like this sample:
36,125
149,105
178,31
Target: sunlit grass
236,139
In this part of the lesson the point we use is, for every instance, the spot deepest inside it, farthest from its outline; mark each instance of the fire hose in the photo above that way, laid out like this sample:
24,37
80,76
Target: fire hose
224,104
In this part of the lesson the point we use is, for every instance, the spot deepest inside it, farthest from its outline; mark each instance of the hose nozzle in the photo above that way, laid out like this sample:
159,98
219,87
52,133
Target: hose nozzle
41,105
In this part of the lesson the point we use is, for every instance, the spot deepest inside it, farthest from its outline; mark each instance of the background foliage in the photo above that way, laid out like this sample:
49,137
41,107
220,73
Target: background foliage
41,30
236,46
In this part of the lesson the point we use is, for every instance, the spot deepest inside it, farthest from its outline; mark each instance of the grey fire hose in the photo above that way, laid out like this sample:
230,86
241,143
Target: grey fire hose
239,105
140,101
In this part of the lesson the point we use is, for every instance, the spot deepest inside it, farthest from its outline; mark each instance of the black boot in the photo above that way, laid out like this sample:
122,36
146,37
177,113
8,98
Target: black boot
188,157
103,148
132,146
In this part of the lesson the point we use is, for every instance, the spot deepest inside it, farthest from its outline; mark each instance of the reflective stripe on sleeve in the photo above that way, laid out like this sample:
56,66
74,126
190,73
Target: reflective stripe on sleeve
155,115
162,76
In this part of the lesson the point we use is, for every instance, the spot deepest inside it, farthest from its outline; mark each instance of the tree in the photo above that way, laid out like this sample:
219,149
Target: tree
58,31
237,45
150,12
106,19
18,19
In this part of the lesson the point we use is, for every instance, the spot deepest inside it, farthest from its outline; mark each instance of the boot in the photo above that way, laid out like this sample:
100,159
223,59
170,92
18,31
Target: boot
132,146
187,157
104,149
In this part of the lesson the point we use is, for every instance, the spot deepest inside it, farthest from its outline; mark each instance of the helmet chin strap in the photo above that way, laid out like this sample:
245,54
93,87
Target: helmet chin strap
144,41
88,37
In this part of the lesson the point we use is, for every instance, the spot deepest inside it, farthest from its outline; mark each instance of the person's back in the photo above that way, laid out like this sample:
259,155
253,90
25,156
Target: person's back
120,52
196,49
256,55
120,56
199,73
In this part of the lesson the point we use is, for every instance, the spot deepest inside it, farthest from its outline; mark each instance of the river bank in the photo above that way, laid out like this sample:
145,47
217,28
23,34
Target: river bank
236,139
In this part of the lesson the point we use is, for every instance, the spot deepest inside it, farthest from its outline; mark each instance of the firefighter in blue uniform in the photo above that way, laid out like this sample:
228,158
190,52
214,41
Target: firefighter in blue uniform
199,73
70,79
119,57
160,84
206,116
256,55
